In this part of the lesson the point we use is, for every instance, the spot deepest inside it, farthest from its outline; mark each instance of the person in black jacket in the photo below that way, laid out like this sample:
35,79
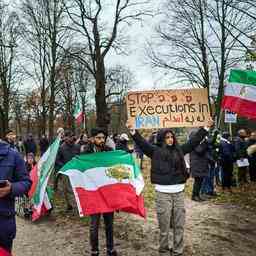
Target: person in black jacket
66,152
200,160
122,143
43,144
227,152
241,155
169,174
98,144
251,144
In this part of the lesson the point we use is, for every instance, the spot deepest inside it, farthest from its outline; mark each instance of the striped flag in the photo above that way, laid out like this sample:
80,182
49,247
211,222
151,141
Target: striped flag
105,182
39,193
78,113
240,93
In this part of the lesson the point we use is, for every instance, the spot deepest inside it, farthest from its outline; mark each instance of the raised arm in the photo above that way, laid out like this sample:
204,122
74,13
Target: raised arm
196,138
147,148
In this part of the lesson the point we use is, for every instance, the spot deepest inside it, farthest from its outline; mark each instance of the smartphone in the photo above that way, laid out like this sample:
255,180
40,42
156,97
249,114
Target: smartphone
3,183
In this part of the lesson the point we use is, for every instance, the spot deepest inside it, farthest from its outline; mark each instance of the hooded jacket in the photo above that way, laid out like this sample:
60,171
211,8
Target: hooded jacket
12,168
167,162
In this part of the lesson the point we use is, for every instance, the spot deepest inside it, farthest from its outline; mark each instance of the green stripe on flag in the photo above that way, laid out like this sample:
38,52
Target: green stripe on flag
245,77
101,159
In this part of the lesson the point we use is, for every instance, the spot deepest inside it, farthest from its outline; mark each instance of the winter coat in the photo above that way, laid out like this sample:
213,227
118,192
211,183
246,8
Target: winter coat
200,159
65,154
123,145
227,152
12,168
240,148
30,146
43,144
252,157
167,162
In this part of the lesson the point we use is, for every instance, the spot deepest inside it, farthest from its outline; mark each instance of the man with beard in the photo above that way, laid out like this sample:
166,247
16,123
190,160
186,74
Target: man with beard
98,144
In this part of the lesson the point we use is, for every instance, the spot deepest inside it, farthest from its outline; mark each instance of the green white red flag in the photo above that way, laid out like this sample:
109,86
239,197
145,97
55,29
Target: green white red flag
240,93
105,182
39,193
78,113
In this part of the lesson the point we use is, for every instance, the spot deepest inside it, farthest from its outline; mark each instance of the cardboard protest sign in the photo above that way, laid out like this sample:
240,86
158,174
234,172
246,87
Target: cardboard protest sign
168,108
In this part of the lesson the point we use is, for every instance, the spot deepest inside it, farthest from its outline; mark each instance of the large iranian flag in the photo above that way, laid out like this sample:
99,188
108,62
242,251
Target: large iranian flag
39,193
240,93
106,182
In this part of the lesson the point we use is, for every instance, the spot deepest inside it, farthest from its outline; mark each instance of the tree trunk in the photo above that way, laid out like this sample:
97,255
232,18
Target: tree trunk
101,105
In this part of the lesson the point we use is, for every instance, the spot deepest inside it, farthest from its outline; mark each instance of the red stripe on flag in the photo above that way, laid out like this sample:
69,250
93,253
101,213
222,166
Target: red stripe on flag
36,215
240,106
3,252
80,118
34,178
111,198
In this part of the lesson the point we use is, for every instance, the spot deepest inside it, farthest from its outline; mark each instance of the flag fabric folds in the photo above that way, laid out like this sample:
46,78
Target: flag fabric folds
240,93
105,182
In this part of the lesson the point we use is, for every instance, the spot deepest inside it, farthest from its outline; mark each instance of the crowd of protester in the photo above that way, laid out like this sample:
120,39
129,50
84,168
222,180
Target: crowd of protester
215,159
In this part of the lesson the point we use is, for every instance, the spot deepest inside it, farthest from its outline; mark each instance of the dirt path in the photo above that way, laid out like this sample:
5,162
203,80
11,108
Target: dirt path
211,230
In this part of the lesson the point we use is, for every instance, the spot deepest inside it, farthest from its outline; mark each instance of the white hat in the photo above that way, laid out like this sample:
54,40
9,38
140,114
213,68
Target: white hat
124,136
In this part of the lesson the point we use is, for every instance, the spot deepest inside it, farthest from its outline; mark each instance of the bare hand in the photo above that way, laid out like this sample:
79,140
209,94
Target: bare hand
130,128
210,123
6,190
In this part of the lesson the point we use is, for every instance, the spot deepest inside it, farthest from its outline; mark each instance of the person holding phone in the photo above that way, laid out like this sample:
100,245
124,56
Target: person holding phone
14,181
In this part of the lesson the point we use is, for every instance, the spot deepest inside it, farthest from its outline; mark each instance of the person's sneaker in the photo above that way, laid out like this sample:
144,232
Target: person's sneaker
96,253
112,253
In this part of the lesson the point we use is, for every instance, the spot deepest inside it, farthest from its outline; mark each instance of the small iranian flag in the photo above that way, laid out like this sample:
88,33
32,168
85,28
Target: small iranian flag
106,182
240,93
39,193
78,113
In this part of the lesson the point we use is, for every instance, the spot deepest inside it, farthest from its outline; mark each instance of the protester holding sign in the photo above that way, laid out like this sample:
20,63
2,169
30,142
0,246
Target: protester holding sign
169,174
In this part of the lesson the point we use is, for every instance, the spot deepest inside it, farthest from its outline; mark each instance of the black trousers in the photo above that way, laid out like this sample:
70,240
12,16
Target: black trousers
242,175
227,172
252,170
94,231
197,186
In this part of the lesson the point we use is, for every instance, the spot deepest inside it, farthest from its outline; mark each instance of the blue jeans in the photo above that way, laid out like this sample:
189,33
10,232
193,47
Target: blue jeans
208,182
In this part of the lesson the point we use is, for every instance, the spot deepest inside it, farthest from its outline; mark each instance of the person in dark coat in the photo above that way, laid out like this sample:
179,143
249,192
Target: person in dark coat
251,149
241,154
122,143
199,166
66,152
169,175
30,145
15,182
98,144
11,139
227,152
43,144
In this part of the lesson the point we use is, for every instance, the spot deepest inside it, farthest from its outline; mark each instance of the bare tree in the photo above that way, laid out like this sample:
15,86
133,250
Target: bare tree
226,25
9,34
99,24
180,44
47,34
